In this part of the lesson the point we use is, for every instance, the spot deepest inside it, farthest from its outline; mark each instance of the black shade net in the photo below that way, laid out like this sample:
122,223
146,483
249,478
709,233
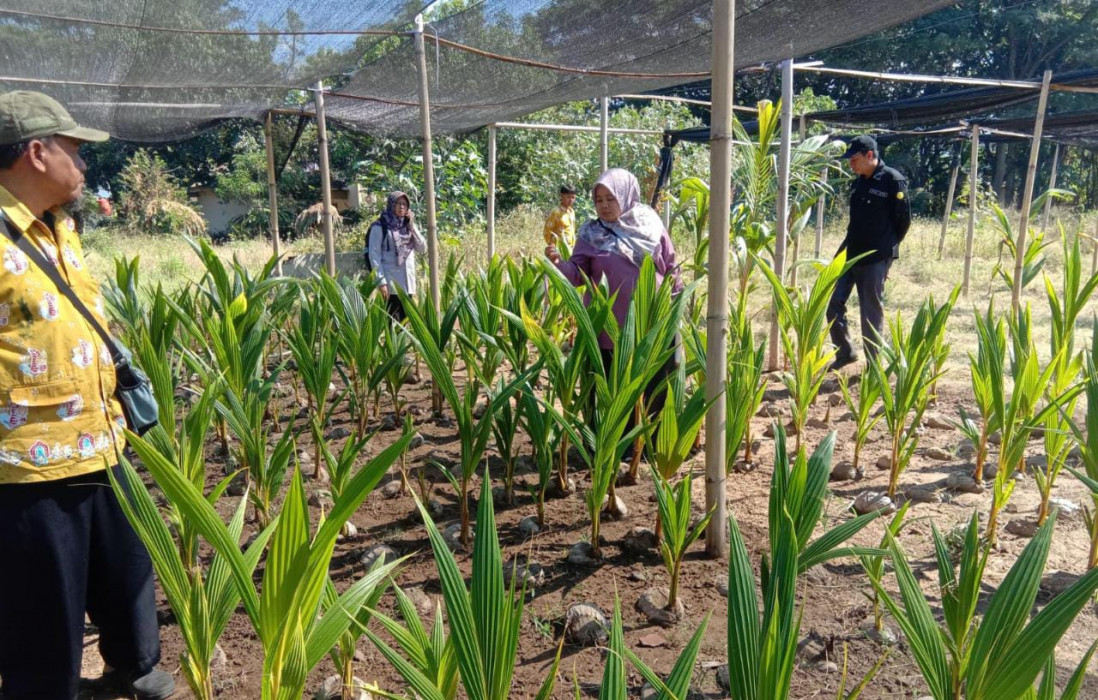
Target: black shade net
672,38
946,106
153,70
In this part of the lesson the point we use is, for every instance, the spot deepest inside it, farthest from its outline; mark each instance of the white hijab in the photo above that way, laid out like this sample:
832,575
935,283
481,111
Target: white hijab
638,230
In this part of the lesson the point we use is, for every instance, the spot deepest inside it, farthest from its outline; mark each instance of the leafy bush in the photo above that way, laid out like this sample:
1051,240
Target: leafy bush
152,200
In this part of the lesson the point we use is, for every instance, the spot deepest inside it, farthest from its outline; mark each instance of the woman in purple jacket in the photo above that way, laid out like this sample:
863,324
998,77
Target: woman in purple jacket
613,247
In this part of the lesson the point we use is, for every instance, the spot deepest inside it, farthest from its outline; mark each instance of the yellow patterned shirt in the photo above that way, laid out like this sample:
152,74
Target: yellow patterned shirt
58,415
561,226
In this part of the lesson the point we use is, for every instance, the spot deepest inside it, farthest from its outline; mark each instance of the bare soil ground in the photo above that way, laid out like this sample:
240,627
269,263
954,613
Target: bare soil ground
836,609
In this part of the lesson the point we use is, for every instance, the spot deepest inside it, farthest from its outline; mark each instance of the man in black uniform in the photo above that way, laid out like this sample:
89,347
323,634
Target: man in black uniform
879,219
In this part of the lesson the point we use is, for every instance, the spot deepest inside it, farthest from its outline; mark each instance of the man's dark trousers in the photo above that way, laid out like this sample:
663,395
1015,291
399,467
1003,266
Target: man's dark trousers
869,280
66,548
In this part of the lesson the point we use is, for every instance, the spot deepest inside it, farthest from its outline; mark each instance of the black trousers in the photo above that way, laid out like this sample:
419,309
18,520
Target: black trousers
395,307
869,280
66,548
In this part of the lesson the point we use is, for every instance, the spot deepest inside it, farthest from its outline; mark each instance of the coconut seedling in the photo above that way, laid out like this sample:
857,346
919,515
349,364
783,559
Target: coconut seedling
505,428
1086,440
677,534
804,328
986,369
473,431
995,657
359,322
1019,412
1057,428
862,406
284,612
484,617
202,600
745,384
344,652
904,373
762,650
546,427
874,564
313,346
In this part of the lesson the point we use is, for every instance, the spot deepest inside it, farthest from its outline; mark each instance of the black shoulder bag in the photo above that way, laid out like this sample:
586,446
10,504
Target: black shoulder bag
132,387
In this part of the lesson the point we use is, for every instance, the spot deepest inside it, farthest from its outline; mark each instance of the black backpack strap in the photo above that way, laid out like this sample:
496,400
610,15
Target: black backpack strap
36,256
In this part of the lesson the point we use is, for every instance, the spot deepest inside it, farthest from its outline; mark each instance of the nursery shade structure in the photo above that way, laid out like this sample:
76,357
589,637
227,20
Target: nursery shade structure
556,51
157,70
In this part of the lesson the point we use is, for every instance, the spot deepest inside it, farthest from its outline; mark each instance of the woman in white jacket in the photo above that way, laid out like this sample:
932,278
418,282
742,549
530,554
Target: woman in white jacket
391,247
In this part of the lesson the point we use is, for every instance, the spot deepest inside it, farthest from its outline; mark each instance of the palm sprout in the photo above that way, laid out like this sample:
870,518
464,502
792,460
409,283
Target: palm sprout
678,534
999,657
865,418
804,327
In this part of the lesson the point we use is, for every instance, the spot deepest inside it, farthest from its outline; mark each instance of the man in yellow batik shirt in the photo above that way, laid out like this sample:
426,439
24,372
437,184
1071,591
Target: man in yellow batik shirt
61,526
560,226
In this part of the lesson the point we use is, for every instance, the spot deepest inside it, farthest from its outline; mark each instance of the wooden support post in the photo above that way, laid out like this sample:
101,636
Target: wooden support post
716,319
1094,249
821,205
428,163
949,206
272,194
325,180
782,207
1027,194
973,190
1051,186
491,191
604,135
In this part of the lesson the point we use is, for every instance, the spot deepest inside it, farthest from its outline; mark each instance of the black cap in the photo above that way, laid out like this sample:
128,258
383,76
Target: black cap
861,144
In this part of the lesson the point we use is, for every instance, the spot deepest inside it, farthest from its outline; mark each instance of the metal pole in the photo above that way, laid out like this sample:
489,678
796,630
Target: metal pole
783,203
1027,194
272,194
325,180
491,191
716,319
949,206
803,132
604,135
821,204
973,188
1051,186
428,163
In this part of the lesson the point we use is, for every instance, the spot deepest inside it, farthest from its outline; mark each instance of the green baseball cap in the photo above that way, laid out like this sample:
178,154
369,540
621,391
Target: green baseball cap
26,115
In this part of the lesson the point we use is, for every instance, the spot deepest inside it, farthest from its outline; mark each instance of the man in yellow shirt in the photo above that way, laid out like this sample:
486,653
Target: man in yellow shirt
65,544
560,226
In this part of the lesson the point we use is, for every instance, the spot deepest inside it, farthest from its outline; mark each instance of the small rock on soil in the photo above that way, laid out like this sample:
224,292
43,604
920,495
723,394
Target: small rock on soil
1056,582
721,582
922,494
620,512
640,540
960,481
391,489
653,605
884,463
375,552
844,471
585,624
452,535
339,433
582,554
332,688
529,527
939,454
523,571
1068,509
937,422
869,501
425,605
1022,527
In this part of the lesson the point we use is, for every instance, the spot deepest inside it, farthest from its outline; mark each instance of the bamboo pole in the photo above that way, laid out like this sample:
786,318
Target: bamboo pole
802,133
973,187
821,205
272,194
491,191
325,180
572,127
1094,249
428,163
1051,186
782,211
716,319
604,138
949,206
1027,194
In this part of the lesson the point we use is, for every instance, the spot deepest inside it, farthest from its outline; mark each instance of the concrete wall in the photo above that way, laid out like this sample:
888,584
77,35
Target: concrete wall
218,214
304,266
